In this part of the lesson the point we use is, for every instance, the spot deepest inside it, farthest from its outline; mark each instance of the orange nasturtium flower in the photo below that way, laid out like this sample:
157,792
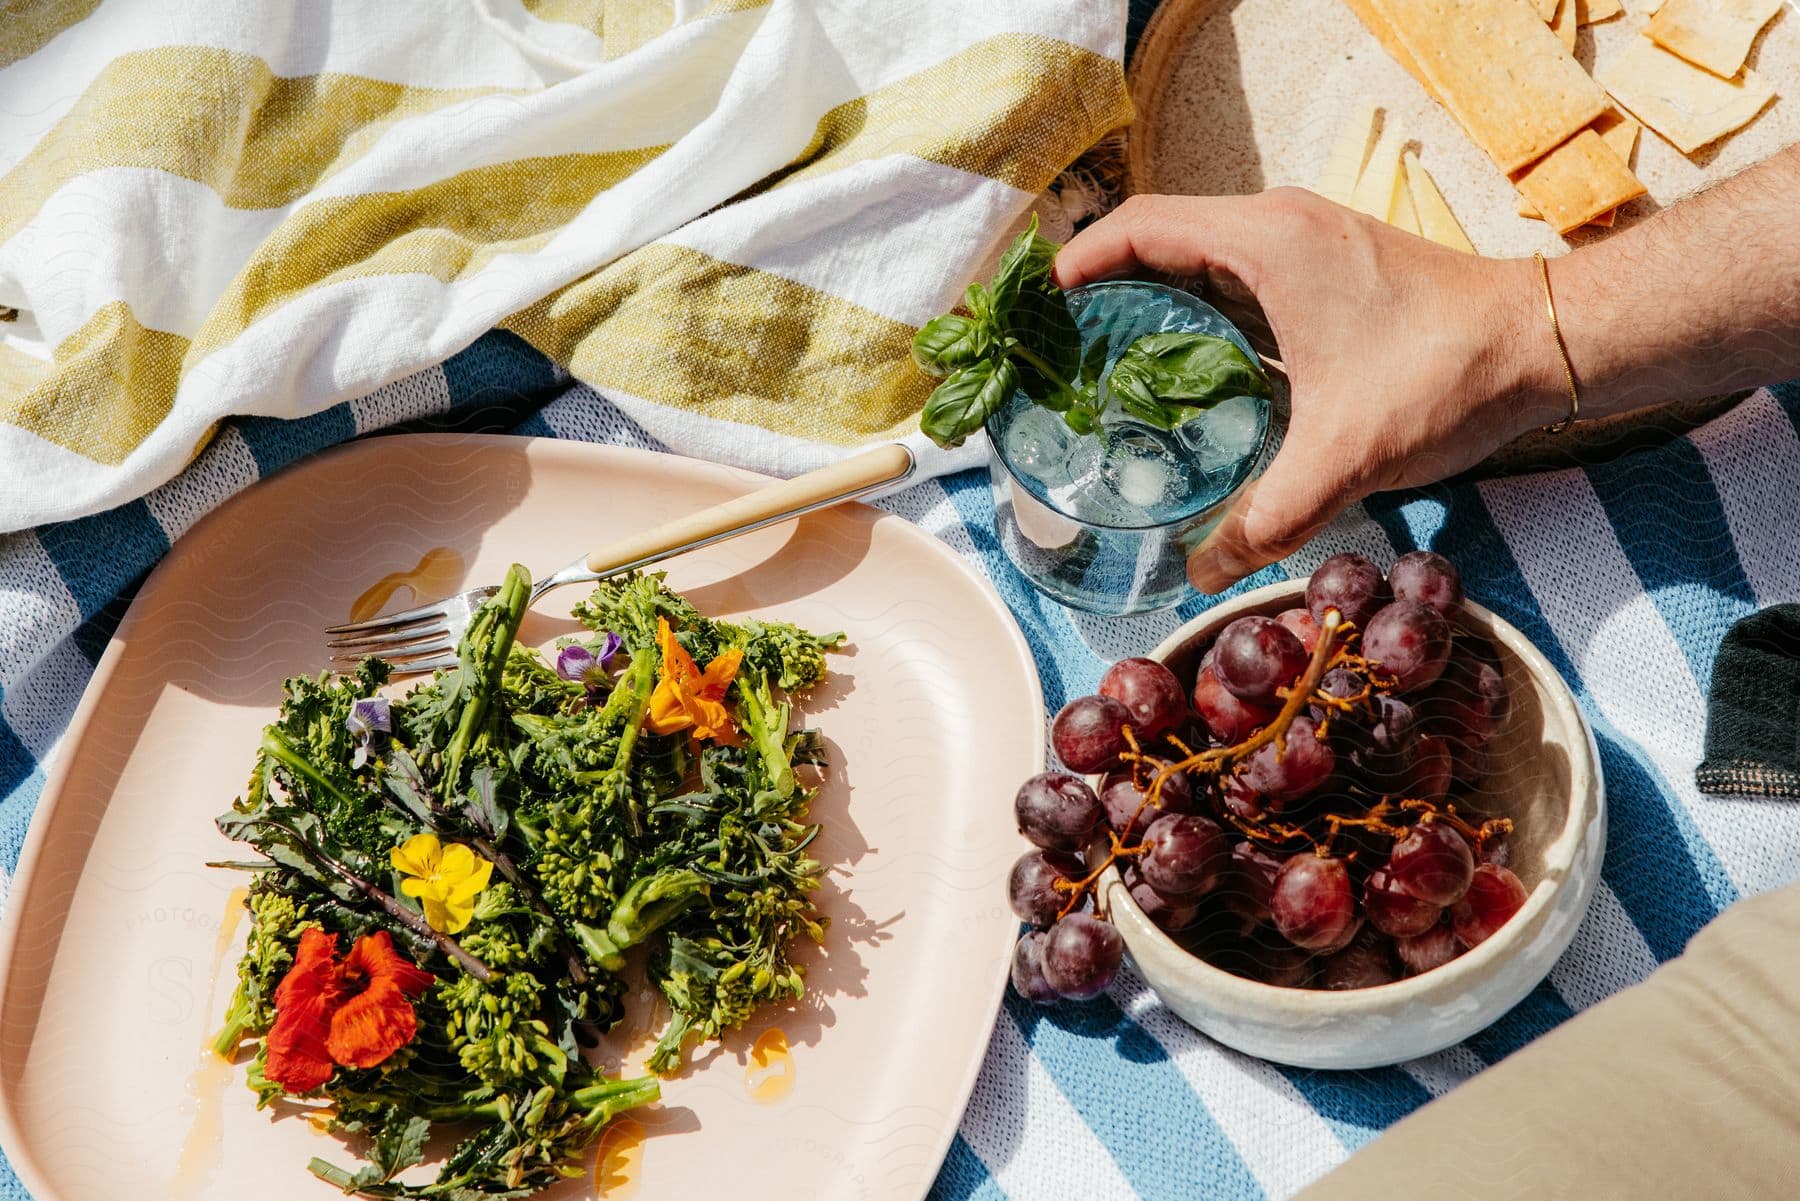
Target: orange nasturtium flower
356,1012
687,698
444,878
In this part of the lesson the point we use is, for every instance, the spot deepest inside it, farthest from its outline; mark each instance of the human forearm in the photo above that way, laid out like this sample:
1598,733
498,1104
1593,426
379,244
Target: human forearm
1699,300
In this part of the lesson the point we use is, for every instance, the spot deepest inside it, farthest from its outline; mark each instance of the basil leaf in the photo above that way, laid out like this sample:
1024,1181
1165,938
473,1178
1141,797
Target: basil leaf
980,303
949,342
964,402
1041,322
1046,381
1024,267
1159,369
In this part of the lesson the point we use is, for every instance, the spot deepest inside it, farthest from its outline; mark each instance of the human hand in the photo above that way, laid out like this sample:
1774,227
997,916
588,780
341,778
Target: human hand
1407,361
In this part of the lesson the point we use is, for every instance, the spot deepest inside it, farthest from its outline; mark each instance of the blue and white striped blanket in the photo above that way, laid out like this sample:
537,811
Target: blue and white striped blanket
1626,575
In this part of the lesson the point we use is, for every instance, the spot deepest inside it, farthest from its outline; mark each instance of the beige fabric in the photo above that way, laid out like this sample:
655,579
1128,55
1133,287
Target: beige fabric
1686,1087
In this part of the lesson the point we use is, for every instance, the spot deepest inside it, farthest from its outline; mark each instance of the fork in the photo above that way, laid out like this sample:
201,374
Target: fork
425,638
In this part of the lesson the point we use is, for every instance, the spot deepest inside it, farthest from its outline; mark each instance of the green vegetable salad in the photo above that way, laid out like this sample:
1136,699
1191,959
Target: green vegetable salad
451,882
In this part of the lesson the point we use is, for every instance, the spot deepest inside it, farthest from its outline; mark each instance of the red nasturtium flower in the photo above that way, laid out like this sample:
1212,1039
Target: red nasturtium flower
356,1012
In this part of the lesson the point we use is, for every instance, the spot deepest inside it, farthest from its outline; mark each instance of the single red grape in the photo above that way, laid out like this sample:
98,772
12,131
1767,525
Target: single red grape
1493,896
1365,963
1283,965
1249,881
1432,771
1227,718
1150,692
1185,855
1242,800
1408,641
1081,956
1123,802
1257,655
1434,948
1028,970
1394,912
1301,624
1031,887
1088,734
1342,683
1467,703
1428,578
1292,767
1173,916
1432,863
1349,583
1057,811
1311,901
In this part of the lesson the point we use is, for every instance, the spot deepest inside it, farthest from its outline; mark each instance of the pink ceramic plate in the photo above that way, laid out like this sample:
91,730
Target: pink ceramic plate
118,946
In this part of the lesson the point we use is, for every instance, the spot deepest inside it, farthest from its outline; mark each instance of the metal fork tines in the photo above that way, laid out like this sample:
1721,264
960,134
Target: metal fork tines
413,640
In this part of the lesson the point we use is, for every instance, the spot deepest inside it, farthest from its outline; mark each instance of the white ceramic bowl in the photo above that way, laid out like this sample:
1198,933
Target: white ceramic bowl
1545,776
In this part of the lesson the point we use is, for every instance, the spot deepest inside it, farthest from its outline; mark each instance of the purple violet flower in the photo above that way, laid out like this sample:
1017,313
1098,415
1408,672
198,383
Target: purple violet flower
580,665
368,717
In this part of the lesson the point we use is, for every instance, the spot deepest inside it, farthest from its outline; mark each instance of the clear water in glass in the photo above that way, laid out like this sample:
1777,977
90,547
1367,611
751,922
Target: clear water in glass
1104,521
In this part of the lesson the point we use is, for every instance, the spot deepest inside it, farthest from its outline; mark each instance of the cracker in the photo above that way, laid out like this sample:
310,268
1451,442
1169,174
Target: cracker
1500,71
1688,105
1616,130
1377,25
1578,181
1563,24
1546,9
1715,34
1436,221
1599,10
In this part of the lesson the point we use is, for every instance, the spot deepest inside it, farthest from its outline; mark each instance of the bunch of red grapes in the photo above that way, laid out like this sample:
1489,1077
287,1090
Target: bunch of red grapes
1297,813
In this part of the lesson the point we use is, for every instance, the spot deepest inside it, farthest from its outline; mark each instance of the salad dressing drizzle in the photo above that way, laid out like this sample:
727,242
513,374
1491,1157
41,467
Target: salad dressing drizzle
438,573
206,1085
769,1076
619,1160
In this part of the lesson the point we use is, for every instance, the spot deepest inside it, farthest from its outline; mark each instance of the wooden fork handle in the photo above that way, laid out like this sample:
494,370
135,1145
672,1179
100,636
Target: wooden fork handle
846,479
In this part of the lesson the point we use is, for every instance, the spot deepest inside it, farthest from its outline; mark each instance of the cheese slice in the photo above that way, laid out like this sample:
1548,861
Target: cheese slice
1402,214
1436,221
1380,178
1344,165
1563,24
1688,105
1715,34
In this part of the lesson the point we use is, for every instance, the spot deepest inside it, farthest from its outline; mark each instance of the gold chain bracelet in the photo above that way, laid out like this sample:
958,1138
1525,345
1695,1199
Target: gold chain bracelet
1562,349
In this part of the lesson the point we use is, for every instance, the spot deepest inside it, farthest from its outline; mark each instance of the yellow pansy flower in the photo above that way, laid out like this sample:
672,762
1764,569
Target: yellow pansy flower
687,698
445,879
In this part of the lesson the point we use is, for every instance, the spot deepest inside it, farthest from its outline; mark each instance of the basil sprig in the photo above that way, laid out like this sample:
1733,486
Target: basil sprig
1020,335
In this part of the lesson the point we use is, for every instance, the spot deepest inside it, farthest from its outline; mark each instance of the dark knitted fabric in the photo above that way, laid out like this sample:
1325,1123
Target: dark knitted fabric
1753,712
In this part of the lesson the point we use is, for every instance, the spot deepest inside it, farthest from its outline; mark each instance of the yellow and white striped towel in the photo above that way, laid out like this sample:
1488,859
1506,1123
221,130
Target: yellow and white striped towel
727,216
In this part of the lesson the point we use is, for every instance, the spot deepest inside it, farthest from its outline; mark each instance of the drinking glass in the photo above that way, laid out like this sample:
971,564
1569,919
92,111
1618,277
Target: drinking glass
1104,522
